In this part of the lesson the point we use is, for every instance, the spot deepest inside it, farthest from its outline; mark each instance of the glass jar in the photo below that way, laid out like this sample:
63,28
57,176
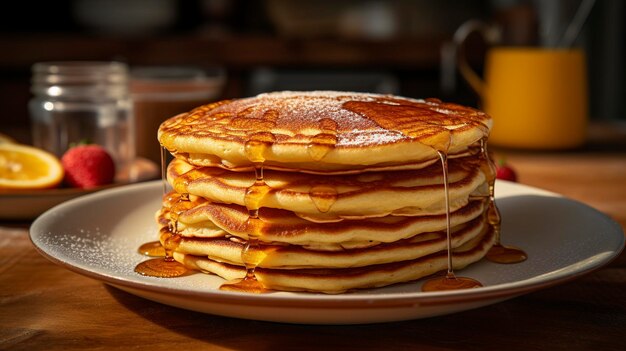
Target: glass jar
76,102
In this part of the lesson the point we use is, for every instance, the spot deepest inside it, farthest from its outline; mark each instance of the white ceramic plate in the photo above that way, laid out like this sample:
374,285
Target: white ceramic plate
97,235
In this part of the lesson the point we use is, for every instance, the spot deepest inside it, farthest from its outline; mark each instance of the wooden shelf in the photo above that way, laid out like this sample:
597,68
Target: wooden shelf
237,52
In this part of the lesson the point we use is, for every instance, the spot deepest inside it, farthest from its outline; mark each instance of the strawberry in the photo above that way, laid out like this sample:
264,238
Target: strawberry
88,166
505,172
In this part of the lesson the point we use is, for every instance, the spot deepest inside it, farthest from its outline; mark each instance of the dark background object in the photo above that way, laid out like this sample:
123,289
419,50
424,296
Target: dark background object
397,41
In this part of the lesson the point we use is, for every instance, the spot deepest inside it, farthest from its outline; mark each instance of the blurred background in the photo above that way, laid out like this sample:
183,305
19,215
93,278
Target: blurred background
378,46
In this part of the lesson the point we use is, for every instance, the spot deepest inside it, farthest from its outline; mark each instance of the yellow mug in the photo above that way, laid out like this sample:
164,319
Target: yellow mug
537,97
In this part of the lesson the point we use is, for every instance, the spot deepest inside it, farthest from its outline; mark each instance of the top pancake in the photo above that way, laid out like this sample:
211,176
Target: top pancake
322,131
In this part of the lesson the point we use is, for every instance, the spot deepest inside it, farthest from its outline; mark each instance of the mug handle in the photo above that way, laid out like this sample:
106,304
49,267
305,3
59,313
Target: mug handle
490,33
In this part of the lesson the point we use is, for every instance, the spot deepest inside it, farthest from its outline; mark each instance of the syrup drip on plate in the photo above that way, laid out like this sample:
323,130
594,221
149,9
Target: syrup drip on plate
161,268
164,265
498,253
152,249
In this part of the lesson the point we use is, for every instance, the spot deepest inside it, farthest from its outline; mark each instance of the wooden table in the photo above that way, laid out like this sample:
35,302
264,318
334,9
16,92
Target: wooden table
44,306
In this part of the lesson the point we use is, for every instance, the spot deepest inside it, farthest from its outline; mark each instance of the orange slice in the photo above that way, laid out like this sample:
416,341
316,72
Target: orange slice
25,167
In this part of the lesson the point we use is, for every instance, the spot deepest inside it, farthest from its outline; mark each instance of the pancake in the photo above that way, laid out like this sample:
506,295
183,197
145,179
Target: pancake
228,250
214,220
339,280
322,131
333,198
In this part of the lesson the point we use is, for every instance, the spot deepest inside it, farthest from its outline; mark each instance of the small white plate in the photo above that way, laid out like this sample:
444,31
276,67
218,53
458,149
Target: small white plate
28,204
98,235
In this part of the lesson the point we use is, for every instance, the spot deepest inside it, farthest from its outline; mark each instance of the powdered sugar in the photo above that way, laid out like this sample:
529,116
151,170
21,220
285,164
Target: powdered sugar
302,112
370,138
93,249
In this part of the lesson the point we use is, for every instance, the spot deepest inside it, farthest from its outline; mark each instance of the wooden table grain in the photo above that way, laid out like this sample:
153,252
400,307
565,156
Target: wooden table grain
44,306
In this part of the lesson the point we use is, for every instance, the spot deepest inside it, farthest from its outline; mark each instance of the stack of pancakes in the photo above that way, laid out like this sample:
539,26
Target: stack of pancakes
348,189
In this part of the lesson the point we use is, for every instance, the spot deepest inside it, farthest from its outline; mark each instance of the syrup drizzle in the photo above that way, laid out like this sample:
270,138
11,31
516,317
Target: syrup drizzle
498,253
164,169
323,197
164,266
450,281
321,144
414,121
252,254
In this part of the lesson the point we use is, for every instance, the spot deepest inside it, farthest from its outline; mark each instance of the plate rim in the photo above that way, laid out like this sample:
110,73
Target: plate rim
386,300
